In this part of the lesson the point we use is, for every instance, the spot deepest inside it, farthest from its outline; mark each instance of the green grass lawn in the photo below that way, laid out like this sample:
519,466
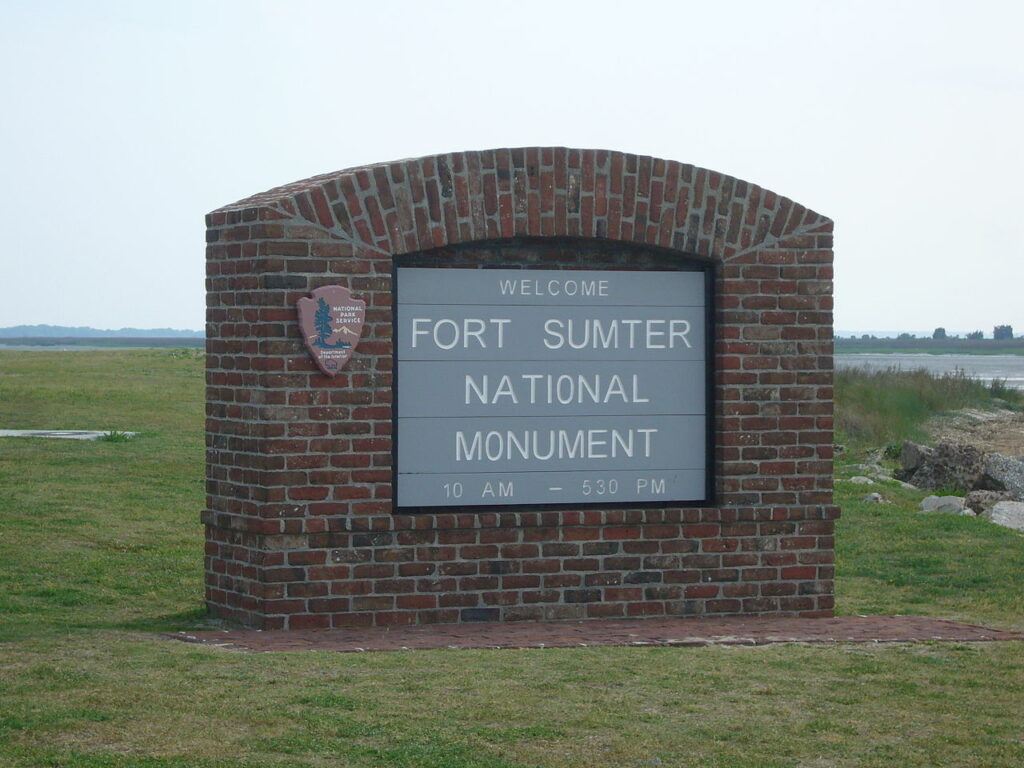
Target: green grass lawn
101,547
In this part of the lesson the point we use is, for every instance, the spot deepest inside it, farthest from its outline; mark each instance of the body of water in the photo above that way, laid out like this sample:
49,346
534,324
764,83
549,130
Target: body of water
85,344
984,367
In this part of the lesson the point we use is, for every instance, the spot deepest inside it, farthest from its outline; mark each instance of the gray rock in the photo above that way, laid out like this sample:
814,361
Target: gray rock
881,473
947,504
1003,473
864,469
873,498
950,465
913,455
1009,514
872,469
981,501
861,480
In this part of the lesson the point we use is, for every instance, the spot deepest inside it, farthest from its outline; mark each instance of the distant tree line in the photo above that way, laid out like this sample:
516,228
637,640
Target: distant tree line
999,333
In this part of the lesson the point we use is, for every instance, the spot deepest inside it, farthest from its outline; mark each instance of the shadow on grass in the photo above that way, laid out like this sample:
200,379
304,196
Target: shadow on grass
181,621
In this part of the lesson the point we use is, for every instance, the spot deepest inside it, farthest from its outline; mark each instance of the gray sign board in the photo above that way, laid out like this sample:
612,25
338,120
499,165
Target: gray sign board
533,386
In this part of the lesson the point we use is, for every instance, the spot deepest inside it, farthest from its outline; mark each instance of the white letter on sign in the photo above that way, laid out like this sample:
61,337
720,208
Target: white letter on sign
416,329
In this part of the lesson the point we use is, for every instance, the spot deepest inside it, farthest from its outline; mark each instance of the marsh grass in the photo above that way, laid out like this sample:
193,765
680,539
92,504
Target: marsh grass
880,407
101,547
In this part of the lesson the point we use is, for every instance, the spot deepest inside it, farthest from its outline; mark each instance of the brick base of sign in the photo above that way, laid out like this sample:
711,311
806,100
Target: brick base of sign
532,566
300,526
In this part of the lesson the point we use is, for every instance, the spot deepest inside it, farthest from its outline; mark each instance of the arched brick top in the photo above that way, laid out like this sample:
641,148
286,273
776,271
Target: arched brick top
438,200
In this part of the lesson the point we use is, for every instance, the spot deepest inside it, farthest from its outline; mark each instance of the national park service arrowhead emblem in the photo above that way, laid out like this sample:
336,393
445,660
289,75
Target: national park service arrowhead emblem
331,322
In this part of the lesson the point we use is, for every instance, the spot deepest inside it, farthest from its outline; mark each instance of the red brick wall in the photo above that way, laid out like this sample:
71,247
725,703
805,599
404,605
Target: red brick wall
299,523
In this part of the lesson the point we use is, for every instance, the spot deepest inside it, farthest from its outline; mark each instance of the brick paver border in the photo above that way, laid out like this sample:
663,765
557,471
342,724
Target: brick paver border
563,634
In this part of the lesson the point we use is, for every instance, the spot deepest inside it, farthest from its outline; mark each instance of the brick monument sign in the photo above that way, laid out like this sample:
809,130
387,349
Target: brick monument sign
539,383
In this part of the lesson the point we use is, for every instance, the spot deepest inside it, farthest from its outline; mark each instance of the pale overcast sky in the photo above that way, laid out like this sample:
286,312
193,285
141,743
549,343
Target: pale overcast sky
124,123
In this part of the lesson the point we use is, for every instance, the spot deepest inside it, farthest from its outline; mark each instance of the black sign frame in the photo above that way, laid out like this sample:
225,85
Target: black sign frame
666,260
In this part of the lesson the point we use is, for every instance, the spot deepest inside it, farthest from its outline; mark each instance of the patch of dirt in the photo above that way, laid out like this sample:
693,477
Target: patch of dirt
1001,431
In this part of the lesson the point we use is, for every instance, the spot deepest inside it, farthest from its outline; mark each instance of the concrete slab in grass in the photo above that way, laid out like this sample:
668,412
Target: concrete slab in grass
62,434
